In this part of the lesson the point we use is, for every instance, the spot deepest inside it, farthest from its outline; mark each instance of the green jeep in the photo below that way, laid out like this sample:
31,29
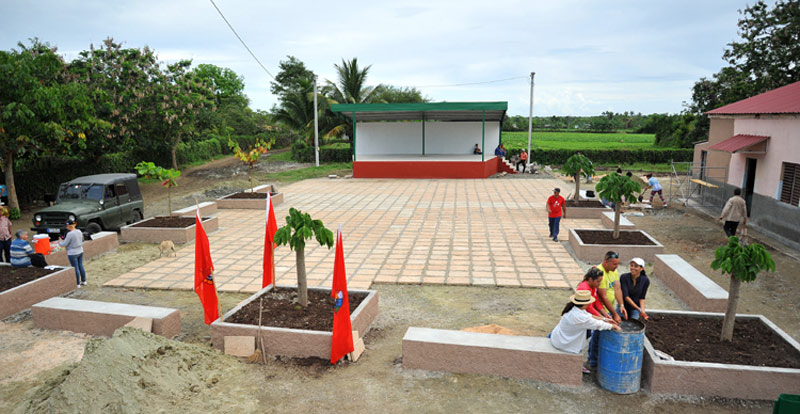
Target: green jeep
97,202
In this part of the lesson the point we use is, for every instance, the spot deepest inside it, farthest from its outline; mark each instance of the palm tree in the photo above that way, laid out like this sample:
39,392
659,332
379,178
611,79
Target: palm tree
297,110
351,87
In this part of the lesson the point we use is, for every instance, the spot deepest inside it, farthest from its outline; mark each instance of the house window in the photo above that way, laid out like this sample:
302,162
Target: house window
790,190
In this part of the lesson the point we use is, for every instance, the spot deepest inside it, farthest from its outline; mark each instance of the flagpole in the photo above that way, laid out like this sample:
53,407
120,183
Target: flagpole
216,293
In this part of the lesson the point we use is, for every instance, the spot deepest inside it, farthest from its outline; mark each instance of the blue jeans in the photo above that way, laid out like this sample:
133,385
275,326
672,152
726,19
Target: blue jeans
594,348
76,261
633,314
554,222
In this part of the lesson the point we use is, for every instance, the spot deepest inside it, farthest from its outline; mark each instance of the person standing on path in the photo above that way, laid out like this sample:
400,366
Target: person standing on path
5,235
735,211
609,290
634,286
556,210
523,159
655,188
570,333
74,244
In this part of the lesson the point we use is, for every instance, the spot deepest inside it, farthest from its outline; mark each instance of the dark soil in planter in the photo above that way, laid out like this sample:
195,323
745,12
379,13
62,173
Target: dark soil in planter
583,203
249,195
167,222
696,339
281,311
11,277
606,237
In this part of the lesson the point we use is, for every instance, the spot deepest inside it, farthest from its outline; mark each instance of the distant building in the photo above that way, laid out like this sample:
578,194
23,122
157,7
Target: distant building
758,140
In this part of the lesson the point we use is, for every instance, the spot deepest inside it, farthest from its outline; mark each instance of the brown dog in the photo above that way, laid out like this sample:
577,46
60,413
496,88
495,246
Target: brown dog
167,246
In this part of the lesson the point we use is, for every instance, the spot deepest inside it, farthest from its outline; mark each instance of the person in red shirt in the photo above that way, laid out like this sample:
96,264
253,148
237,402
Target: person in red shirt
523,159
555,211
591,281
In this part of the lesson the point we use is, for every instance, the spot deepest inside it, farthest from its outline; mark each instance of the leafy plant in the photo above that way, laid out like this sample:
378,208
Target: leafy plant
576,165
14,214
300,227
743,262
166,176
613,187
251,156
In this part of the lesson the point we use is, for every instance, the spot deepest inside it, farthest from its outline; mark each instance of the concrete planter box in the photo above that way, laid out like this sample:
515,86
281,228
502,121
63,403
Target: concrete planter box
159,234
244,203
607,218
594,252
692,286
207,208
23,296
102,242
714,379
294,343
587,212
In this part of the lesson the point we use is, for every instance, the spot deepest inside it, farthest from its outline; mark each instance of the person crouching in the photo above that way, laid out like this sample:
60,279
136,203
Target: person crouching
570,333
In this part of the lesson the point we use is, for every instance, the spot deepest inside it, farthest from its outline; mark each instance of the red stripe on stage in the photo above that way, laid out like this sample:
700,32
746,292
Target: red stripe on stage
426,169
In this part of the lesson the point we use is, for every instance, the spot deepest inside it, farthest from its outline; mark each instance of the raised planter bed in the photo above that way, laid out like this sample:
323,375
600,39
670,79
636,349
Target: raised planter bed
260,203
142,232
721,379
585,209
295,343
647,247
207,208
21,297
607,218
691,285
102,242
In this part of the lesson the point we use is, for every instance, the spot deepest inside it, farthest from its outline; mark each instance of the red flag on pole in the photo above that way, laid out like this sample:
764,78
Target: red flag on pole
269,245
342,343
204,273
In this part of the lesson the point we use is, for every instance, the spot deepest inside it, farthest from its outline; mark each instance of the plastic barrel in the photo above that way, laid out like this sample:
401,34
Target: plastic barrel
41,244
787,404
620,358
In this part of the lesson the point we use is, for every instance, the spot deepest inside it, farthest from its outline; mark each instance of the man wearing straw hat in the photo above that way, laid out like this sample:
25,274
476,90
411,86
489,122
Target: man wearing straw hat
570,333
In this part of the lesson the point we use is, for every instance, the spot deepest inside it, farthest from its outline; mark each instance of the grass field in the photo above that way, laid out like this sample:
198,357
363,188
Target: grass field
578,140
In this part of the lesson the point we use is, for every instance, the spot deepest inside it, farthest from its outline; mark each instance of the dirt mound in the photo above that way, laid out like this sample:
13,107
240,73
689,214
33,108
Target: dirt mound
137,372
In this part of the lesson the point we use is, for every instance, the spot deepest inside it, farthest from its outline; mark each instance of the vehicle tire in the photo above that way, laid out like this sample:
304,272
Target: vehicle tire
136,216
93,228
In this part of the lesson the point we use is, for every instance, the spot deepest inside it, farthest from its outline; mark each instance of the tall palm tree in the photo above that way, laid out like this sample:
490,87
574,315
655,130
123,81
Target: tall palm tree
351,87
297,110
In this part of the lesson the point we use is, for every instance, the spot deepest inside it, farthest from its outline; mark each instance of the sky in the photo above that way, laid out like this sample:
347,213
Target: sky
588,56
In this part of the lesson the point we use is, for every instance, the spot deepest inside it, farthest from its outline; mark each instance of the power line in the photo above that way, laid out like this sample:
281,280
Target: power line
473,83
240,39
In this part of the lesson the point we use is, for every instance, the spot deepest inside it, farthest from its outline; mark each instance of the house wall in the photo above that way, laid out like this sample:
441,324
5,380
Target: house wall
783,146
377,138
720,129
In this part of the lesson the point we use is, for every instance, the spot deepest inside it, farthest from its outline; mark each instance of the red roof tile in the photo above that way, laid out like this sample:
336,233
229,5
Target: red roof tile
784,100
737,142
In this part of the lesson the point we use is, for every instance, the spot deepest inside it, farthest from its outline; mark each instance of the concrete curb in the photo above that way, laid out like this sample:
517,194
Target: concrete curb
159,234
594,252
23,296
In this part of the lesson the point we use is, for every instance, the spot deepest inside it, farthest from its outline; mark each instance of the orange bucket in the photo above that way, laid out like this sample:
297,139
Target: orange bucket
41,244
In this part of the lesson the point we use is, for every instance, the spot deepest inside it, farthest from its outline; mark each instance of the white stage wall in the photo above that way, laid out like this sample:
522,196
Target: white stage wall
376,138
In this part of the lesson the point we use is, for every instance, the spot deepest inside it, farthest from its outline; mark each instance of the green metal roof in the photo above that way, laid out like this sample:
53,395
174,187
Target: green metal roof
431,111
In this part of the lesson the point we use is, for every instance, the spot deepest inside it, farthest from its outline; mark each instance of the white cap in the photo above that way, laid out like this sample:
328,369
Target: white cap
638,260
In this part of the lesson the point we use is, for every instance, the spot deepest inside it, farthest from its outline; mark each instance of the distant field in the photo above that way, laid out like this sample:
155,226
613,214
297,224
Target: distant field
578,140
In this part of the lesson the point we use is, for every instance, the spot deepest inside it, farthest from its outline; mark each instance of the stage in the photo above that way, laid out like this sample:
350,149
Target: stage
425,166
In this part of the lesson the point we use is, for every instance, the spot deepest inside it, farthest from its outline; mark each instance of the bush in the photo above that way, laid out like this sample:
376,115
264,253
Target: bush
13,213
613,156
302,152
194,151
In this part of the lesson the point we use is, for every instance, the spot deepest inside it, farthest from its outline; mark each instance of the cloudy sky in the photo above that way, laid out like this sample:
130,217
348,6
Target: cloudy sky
589,56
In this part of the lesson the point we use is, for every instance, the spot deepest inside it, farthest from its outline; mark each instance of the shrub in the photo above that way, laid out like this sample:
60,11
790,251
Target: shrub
13,213
614,156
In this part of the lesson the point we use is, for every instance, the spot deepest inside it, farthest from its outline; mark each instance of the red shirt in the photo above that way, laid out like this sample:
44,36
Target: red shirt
555,204
596,306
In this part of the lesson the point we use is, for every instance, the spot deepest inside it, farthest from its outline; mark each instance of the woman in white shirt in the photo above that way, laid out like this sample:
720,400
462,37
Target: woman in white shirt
570,333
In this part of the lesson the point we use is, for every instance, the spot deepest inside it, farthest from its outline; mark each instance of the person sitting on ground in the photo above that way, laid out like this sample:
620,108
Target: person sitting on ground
570,333
22,254
634,286
655,186
477,150
523,159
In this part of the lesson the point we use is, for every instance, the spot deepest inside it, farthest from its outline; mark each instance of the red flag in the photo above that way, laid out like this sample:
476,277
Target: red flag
269,246
204,273
342,343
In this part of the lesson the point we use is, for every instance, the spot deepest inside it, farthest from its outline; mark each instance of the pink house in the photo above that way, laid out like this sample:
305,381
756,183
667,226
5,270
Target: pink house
758,140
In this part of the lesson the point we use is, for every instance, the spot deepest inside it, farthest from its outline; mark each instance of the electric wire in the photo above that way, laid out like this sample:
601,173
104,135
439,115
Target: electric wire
473,83
240,39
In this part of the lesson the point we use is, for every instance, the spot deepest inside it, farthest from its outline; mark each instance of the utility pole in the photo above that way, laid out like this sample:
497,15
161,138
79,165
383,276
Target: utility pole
316,126
530,121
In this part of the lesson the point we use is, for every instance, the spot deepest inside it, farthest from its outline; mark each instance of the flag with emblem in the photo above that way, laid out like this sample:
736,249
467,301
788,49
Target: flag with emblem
269,245
204,273
342,343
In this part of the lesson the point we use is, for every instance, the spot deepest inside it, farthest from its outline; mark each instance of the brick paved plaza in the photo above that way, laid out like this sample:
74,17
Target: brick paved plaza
457,232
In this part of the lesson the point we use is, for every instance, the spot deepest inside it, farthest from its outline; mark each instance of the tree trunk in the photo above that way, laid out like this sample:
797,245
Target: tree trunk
11,189
617,211
730,313
169,200
252,185
578,187
174,157
302,286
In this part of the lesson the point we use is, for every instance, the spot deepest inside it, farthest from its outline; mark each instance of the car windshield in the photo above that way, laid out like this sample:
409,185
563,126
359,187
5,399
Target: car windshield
81,192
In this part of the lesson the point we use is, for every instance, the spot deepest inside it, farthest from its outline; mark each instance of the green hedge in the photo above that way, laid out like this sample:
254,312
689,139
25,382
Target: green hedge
190,152
301,152
618,156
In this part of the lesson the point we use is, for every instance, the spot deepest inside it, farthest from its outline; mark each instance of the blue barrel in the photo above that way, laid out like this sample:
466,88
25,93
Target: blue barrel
620,358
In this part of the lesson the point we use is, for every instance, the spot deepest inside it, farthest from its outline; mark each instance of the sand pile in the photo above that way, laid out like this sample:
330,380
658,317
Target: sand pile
138,372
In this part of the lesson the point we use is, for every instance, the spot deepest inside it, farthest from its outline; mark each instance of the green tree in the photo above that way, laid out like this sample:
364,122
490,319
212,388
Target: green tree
225,84
297,110
614,187
351,86
300,227
250,156
166,176
394,94
575,166
41,112
743,262
291,77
